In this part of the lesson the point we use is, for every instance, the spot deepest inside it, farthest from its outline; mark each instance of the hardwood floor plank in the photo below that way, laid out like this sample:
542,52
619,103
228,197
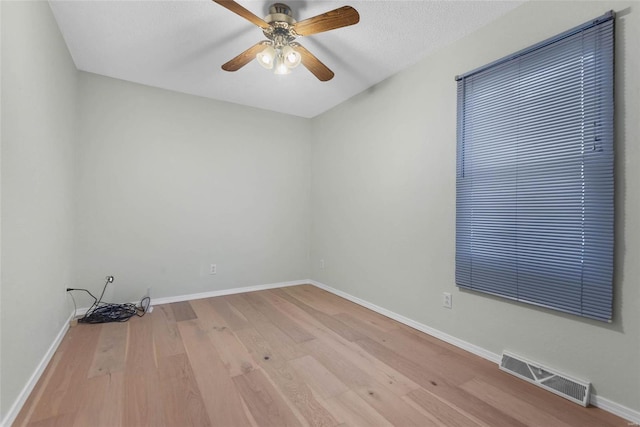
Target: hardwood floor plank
264,401
102,401
244,307
232,317
61,395
377,395
181,399
393,407
366,329
295,331
112,349
276,338
431,380
439,345
455,368
233,354
38,393
166,337
306,295
140,349
328,321
223,402
93,393
286,378
143,397
111,413
62,420
447,414
521,410
556,406
347,349
350,409
425,374
454,356
343,305
142,387
293,312
182,311
321,380
247,412
358,360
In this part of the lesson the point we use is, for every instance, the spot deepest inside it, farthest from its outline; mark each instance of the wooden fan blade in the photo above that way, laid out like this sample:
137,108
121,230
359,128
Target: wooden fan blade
246,14
313,64
245,57
337,18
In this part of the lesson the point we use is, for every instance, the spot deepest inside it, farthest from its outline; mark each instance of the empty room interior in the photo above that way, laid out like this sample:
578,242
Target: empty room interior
309,248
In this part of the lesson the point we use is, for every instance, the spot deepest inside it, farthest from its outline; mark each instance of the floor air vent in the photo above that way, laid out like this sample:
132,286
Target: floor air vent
574,390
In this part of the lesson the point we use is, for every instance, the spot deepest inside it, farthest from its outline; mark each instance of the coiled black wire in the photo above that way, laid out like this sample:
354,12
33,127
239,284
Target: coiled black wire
103,312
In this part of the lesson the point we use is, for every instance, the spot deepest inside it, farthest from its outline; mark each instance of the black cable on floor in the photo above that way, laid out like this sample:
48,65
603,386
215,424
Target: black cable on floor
102,312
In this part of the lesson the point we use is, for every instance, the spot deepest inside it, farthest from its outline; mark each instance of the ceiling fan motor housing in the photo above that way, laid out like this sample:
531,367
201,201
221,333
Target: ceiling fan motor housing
279,12
280,9
280,20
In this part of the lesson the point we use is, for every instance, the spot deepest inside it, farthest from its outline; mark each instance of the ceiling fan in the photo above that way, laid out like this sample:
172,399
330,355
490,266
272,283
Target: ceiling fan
280,52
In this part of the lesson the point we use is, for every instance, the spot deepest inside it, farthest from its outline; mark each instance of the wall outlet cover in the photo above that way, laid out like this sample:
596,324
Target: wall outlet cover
446,300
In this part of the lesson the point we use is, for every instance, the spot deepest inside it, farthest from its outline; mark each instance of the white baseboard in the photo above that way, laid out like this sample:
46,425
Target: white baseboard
615,408
600,402
33,380
210,294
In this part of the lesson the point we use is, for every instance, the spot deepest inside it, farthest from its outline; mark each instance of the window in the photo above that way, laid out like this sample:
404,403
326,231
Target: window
534,179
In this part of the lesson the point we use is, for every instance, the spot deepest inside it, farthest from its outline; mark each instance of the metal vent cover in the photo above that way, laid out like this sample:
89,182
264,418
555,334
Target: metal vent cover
575,390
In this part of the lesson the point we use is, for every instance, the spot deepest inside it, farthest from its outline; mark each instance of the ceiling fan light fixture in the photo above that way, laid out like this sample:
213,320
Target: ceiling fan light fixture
291,57
281,29
281,65
267,57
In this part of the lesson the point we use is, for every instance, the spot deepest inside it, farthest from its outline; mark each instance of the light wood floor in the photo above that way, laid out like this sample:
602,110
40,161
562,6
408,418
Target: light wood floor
285,357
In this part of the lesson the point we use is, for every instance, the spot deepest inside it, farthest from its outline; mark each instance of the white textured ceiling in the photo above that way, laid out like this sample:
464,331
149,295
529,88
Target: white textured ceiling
180,45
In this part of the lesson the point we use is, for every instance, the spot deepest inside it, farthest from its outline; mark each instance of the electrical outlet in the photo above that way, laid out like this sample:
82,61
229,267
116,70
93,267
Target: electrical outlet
322,264
213,269
446,300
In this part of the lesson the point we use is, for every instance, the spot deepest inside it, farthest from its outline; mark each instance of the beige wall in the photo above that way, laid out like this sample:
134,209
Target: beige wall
39,91
170,183
383,203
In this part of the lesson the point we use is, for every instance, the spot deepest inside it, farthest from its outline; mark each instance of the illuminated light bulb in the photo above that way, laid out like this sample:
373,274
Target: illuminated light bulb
281,66
266,57
292,58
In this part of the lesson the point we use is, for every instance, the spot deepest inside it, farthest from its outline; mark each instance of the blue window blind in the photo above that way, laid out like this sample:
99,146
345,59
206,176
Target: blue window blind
534,186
